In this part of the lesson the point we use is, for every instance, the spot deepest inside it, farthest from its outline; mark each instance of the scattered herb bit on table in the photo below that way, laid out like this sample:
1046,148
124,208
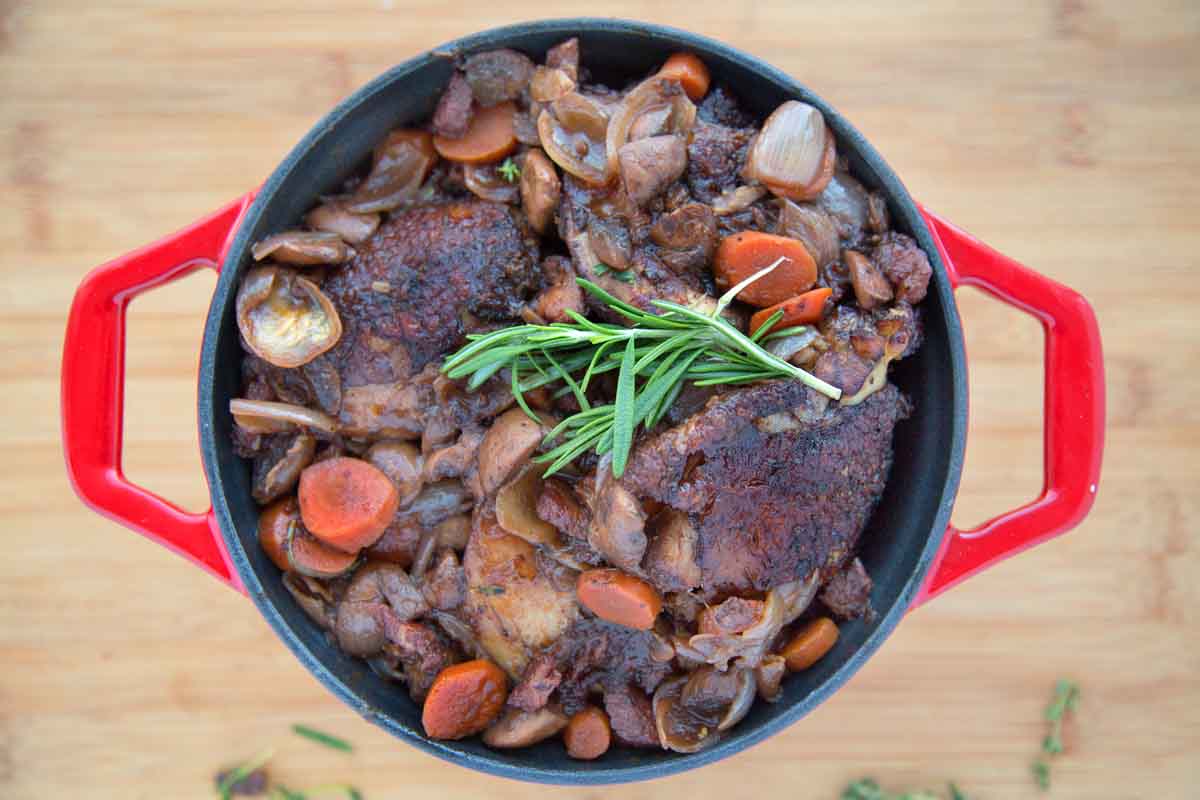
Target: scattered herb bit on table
663,350
1064,703
868,789
321,737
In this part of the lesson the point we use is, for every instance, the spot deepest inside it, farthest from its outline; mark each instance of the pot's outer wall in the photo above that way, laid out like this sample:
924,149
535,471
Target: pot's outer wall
897,547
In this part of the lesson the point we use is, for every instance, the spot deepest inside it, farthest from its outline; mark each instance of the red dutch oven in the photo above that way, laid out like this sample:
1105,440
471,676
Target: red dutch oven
909,548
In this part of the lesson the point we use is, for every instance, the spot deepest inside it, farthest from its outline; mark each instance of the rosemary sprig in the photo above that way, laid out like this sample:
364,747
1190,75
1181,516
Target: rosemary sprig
509,170
653,355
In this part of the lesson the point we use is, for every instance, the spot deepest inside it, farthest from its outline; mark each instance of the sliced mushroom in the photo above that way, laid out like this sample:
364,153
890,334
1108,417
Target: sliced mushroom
402,463
737,199
846,202
277,471
360,626
497,75
650,97
548,84
453,532
517,728
562,295
610,242
333,217
508,443
285,319
795,153
516,508
870,287
402,162
688,236
438,501
811,225
303,248
455,460
572,132
565,56
485,182
540,190
617,530
649,166
268,416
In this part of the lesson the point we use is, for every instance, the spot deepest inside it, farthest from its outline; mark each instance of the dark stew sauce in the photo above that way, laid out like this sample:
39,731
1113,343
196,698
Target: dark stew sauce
407,511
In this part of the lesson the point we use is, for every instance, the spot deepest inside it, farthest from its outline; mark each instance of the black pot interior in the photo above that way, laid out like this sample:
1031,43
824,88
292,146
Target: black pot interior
897,546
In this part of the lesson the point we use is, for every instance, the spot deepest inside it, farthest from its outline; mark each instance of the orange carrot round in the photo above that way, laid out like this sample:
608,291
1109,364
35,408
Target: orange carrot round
619,597
346,502
464,699
804,309
489,137
809,645
274,522
588,734
689,70
740,255
309,556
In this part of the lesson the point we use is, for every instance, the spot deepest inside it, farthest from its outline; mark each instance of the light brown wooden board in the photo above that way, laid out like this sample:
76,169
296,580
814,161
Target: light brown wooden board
1064,133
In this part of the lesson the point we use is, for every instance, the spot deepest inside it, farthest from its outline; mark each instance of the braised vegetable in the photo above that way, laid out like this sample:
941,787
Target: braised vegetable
794,155
744,254
284,318
804,309
489,137
308,556
346,502
588,735
618,597
303,248
464,699
810,645
689,70
681,344
275,522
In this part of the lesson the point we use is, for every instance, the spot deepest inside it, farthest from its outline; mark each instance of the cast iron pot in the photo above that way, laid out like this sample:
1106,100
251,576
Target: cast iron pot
909,548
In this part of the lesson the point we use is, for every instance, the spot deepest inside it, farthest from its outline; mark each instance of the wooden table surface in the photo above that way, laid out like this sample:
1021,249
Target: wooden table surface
1063,133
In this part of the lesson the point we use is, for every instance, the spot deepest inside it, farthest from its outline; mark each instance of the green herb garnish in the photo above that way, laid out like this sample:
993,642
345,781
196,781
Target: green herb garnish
622,275
240,773
654,355
509,170
1064,702
868,789
322,738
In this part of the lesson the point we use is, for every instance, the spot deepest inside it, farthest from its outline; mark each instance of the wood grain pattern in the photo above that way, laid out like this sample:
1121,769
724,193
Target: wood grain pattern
1063,133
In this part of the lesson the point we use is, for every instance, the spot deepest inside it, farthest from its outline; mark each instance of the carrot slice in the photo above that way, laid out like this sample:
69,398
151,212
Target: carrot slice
740,255
274,523
588,734
464,699
308,556
803,309
489,137
619,597
689,70
347,503
811,644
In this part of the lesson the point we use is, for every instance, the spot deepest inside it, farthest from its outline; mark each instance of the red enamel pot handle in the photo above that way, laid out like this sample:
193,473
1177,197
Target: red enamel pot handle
1074,409
93,389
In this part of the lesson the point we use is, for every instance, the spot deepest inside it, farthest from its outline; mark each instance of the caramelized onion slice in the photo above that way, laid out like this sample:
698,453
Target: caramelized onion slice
572,131
650,97
285,319
267,416
486,183
402,162
794,153
303,248
334,218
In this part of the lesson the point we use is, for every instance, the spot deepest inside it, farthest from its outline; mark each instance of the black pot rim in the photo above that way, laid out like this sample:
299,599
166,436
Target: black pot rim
496,765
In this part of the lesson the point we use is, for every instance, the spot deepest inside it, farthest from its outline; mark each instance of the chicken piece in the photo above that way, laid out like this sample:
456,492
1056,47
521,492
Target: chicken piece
416,287
631,717
775,484
513,605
